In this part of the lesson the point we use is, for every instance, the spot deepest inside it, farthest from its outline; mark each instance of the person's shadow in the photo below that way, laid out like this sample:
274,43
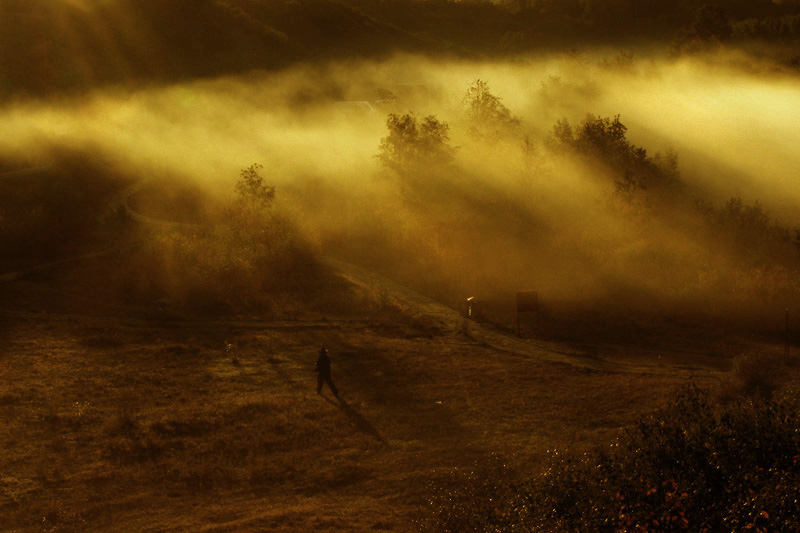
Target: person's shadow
361,423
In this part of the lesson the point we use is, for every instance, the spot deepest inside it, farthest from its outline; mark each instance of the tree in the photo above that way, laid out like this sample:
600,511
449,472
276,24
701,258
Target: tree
411,146
248,258
489,118
601,137
249,213
251,188
605,140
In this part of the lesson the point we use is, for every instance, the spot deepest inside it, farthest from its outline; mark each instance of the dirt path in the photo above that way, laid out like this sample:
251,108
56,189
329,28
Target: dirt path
431,312
120,203
423,309
116,206
411,302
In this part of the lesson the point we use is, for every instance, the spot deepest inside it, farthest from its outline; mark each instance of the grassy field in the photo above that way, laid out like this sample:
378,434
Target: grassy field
124,410
122,418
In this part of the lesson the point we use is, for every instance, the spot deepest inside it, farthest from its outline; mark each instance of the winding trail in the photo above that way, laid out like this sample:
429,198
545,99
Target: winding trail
120,203
116,206
431,312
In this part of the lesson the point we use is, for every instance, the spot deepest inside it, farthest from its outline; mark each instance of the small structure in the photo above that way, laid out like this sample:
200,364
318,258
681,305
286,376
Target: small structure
468,308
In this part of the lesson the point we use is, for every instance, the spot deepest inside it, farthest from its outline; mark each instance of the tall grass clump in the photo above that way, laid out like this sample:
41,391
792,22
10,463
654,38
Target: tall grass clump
693,466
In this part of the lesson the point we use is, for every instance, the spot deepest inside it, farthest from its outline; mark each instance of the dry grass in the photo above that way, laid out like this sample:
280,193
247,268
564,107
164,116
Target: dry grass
112,421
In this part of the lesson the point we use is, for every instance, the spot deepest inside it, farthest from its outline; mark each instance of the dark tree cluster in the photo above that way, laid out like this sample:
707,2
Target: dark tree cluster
412,146
654,183
604,141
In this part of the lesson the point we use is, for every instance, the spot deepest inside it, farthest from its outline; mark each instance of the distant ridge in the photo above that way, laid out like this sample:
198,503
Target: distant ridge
56,46
48,46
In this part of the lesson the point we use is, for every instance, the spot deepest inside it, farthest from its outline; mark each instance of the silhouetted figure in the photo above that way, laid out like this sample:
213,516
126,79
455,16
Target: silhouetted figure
324,372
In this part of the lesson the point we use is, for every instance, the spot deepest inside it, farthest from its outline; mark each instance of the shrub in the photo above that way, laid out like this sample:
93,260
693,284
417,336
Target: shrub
751,231
693,466
757,374
249,257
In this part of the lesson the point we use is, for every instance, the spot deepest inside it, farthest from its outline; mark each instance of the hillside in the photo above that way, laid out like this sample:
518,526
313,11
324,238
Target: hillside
67,46
55,46
551,246
153,421
127,409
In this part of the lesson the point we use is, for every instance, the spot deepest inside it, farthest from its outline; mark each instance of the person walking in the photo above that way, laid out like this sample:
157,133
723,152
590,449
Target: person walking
323,370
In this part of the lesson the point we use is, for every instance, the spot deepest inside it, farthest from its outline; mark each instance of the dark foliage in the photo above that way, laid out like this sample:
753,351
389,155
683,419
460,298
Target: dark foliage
752,232
711,27
411,147
488,117
693,466
786,28
249,257
603,140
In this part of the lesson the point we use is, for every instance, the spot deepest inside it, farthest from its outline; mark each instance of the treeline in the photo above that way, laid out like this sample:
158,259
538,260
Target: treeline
785,27
652,186
666,250
513,26
645,186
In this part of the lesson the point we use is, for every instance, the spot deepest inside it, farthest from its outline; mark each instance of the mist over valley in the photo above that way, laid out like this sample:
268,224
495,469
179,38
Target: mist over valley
551,248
